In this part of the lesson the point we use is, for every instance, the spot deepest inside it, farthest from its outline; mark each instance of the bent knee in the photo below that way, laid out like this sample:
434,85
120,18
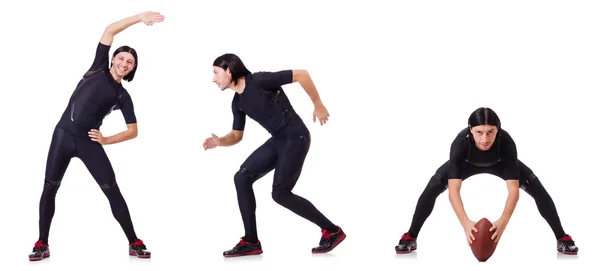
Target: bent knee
244,177
279,195
531,180
240,177
436,186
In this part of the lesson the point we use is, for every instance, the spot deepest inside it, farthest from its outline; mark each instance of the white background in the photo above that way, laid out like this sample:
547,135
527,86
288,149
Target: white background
399,82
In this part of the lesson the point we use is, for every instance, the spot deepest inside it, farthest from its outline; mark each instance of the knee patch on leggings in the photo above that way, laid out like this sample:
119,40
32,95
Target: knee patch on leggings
436,185
279,193
111,191
52,183
532,179
107,186
244,176
50,188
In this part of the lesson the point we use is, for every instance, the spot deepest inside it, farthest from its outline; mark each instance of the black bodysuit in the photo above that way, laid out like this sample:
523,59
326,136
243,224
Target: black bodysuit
264,100
96,95
500,160
466,159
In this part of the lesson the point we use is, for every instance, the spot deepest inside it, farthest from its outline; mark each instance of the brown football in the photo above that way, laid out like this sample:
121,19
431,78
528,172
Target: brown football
483,246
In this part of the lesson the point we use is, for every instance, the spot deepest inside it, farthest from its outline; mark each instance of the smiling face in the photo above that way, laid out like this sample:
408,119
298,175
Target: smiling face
484,136
221,77
122,64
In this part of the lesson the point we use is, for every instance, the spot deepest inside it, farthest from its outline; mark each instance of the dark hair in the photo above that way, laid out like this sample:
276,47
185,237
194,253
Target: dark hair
483,116
125,48
235,65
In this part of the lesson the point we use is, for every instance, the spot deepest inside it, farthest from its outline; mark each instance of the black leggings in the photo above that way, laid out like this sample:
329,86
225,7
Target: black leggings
528,182
286,157
63,148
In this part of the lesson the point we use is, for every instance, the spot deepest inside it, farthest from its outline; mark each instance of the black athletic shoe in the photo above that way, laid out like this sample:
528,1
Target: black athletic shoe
244,248
329,240
138,248
40,251
566,245
407,244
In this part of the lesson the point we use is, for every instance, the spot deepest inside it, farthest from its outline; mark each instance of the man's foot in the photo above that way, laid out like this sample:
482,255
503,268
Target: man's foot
244,248
138,248
566,245
407,244
329,240
40,251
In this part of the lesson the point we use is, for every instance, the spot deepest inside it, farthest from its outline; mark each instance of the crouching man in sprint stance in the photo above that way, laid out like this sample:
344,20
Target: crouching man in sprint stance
261,97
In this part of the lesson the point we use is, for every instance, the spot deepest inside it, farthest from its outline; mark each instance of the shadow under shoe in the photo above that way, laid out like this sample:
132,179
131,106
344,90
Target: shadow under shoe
40,251
244,248
329,240
407,244
138,248
566,245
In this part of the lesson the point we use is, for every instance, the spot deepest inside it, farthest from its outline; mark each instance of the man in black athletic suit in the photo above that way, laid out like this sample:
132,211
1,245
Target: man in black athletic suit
484,147
77,133
260,96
